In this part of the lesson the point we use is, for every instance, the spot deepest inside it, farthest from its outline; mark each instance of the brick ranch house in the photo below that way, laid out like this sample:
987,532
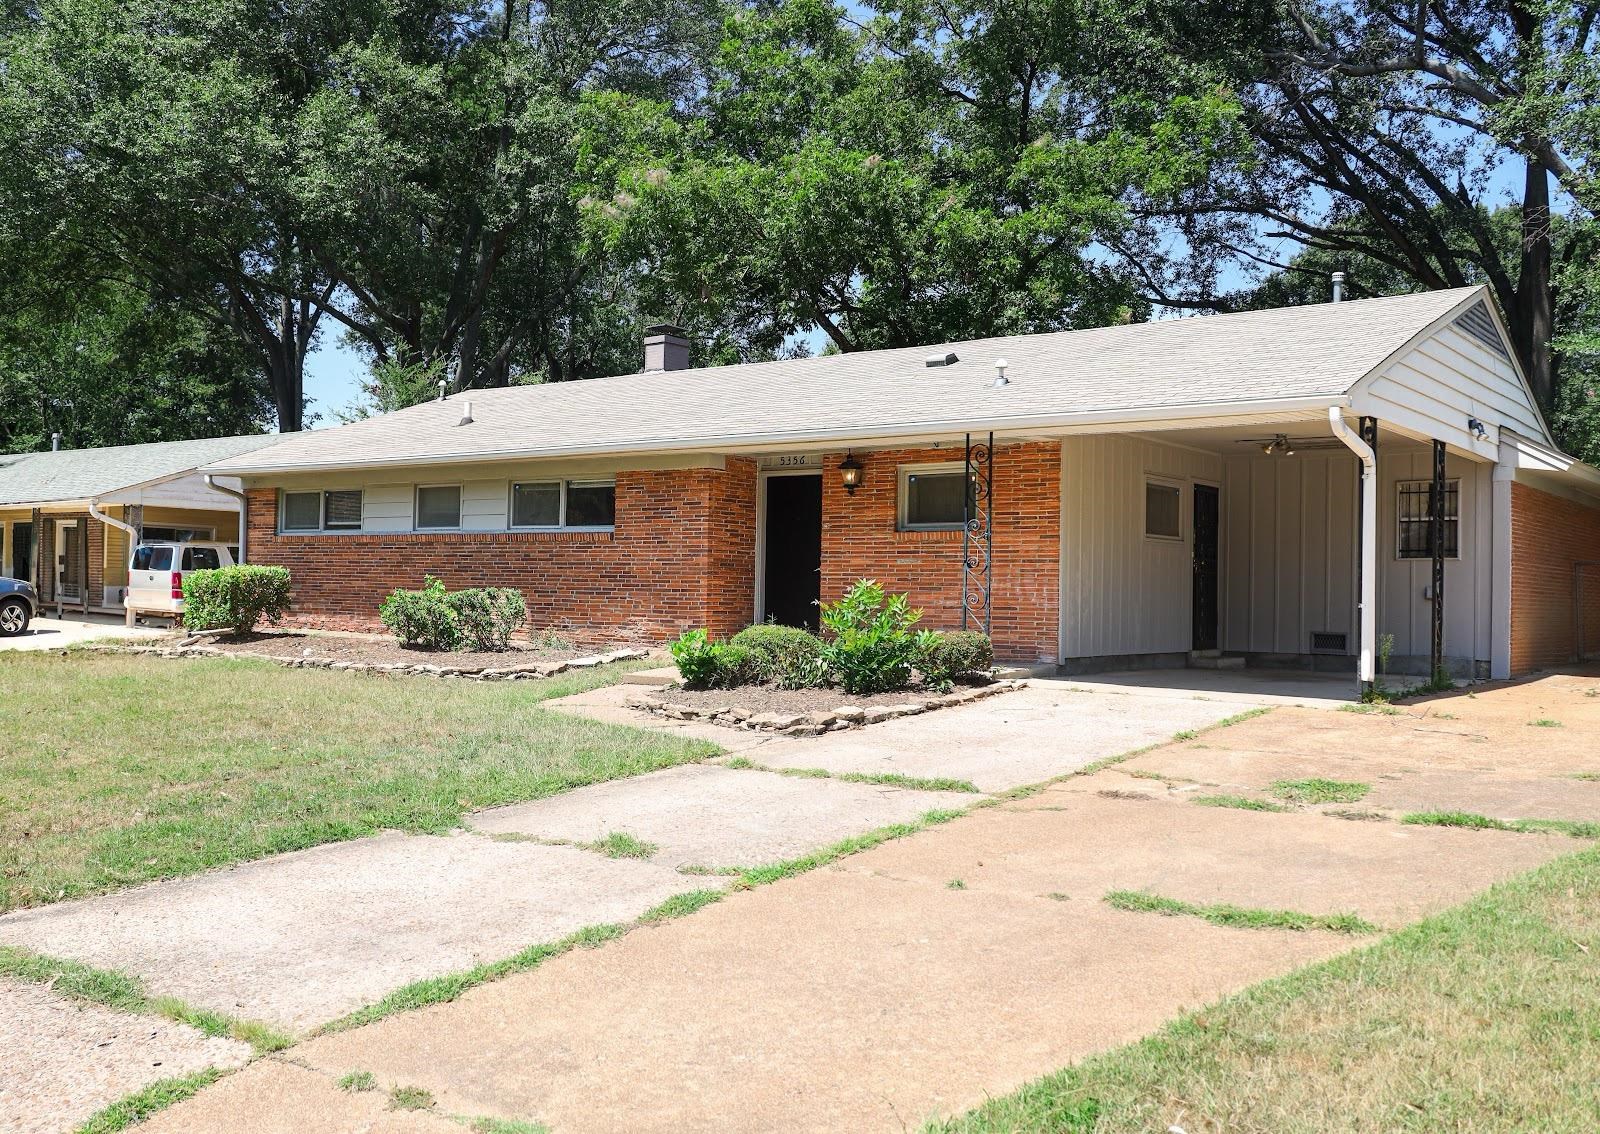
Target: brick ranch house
69,518
1262,484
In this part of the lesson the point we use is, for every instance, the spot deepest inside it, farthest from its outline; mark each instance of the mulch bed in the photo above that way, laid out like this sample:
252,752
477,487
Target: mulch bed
373,649
805,712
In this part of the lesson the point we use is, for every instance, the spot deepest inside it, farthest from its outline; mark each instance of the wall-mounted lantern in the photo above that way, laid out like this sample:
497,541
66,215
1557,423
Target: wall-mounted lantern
850,473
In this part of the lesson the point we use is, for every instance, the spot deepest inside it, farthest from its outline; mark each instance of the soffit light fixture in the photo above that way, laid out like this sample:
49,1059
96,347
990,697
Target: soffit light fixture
850,473
1279,446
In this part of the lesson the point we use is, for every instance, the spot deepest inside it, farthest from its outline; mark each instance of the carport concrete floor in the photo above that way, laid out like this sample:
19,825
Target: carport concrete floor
49,633
908,981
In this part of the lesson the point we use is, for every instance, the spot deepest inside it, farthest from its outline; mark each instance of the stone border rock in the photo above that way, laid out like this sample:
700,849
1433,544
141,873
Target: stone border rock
504,673
816,723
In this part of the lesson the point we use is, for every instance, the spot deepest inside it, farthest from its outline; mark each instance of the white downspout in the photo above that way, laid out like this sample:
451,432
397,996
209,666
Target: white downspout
244,519
1366,669
133,539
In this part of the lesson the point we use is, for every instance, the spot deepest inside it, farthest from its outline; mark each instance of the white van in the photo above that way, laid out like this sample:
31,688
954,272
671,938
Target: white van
156,571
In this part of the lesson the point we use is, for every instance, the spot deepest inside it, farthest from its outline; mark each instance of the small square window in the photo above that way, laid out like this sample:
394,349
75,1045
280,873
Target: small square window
591,504
536,505
1414,508
302,511
341,510
439,506
935,498
1163,510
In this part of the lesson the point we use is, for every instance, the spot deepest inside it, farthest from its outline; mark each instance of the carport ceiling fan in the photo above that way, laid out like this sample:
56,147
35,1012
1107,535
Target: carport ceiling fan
1282,445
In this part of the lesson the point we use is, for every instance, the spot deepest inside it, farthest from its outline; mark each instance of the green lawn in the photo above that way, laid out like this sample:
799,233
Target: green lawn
1485,1018
118,769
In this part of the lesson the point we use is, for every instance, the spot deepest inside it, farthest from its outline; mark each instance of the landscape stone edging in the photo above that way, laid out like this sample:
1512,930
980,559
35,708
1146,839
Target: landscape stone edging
817,722
502,673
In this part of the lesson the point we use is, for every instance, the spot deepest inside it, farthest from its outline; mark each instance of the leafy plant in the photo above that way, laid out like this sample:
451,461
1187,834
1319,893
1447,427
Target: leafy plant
486,617
787,656
872,647
944,658
422,618
705,664
237,597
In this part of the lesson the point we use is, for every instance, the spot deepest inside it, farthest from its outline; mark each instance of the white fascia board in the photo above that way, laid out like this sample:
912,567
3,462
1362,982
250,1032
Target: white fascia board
883,436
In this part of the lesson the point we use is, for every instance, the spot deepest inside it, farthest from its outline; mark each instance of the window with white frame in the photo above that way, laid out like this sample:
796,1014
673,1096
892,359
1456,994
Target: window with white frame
335,511
438,507
564,504
1163,510
934,498
1414,509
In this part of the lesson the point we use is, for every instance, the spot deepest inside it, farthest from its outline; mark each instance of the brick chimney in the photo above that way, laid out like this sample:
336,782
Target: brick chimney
665,348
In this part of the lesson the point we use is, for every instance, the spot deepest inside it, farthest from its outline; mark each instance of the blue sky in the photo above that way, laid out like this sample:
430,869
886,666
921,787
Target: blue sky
332,379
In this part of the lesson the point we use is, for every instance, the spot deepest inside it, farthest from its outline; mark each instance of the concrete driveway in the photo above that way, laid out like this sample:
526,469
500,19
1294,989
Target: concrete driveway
46,633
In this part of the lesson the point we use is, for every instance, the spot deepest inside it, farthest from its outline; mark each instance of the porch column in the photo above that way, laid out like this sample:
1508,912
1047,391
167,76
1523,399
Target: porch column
1505,472
977,534
1436,494
1364,444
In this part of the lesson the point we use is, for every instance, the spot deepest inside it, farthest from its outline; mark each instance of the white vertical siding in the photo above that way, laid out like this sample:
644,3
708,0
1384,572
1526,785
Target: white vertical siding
1288,550
1121,592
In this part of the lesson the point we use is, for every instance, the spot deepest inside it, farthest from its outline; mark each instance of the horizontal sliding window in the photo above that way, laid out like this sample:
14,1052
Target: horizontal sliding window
564,504
438,507
338,511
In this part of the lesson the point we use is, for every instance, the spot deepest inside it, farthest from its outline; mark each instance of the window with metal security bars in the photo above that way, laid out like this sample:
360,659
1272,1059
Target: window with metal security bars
1415,536
1329,642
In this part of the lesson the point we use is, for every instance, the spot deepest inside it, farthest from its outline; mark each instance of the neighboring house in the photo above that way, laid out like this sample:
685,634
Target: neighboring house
67,517
1151,490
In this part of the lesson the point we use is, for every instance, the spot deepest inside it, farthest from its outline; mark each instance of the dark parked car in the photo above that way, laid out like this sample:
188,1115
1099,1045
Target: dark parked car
18,604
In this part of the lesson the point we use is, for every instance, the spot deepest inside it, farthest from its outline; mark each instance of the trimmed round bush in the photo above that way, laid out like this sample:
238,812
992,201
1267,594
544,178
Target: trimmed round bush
422,618
486,617
705,664
950,657
238,598
784,655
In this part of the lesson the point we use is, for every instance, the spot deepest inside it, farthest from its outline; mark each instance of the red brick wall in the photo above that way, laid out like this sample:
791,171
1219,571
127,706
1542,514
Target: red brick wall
1549,534
859,541
682,555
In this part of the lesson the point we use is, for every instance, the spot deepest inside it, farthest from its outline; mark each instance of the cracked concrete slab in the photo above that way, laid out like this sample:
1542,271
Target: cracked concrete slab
299,939
281,1098
835,1001
61,1061
1070,840
1045,729
708,815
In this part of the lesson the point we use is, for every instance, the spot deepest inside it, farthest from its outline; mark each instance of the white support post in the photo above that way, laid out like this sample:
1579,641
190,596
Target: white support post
1505,472
1366,666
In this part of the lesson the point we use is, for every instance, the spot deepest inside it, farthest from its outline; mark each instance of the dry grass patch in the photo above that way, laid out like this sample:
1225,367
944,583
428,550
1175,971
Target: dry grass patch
116,770
1485,1018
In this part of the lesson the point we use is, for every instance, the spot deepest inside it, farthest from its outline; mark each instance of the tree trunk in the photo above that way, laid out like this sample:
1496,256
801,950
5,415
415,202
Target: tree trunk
1533,319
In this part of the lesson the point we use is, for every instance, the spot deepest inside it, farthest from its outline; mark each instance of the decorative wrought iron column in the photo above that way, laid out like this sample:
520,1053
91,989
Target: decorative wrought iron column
977,539
1436,510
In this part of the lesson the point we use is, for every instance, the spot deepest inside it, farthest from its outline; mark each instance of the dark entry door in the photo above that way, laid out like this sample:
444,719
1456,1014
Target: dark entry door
22,552
1206,516
792,576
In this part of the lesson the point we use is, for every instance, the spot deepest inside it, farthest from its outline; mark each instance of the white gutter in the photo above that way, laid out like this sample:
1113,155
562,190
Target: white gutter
1366,670
835,437
244,501
133,538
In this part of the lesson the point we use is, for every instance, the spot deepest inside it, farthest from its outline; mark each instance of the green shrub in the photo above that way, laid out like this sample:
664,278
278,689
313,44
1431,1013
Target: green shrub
486,617
872,647
422,618
784,655
704,664
949,657
235,597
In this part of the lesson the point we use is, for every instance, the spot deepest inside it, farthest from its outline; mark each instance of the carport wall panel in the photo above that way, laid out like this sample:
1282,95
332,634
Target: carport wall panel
1549,535
860,540
681,555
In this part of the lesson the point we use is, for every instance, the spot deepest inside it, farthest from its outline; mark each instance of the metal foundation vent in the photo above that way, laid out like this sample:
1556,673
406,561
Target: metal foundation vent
1328,642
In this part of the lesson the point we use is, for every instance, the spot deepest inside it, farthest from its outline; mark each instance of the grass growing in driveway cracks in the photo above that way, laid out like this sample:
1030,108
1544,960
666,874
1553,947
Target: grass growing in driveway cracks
1577,828
1239,802
887,779
1320,791
142,1104
117,769
620,844
124,993
1237,917
1482,1018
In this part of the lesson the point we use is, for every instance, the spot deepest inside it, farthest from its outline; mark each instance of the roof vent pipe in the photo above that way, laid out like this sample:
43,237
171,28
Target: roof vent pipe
1000,378
666,347
55,442
442,383
1338,287
466,414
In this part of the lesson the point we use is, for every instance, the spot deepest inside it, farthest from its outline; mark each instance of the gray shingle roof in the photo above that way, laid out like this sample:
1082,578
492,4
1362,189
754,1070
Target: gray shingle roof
82,474
1234,360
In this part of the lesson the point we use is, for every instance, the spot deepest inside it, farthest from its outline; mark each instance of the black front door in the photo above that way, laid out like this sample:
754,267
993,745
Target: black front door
22,552
1206,515
792,575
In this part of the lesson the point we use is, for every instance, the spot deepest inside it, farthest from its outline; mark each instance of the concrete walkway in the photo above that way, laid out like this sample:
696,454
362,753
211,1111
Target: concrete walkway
47,633
916,979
